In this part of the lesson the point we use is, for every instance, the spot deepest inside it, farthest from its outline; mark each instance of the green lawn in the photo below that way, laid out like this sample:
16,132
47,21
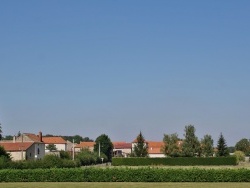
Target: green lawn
124,185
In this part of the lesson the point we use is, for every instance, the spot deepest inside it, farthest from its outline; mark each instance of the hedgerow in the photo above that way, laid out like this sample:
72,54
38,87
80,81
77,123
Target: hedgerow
179,161
49,161
125,175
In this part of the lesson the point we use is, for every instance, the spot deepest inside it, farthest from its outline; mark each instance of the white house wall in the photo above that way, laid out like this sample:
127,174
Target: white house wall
59,147
17,155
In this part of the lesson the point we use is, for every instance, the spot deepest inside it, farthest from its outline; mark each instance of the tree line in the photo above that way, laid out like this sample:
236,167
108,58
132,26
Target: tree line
191,146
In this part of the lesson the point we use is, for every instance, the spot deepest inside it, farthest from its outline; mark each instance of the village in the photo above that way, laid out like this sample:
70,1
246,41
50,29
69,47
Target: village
30,146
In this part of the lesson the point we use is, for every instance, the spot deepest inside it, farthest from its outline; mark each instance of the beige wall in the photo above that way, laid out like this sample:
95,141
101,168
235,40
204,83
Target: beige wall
59,147
159,155
17,155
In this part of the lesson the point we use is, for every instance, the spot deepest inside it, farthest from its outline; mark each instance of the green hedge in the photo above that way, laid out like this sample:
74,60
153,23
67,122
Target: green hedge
125,175
179,161
49,161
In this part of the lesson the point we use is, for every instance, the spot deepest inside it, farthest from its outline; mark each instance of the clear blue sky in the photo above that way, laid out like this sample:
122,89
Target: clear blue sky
118,67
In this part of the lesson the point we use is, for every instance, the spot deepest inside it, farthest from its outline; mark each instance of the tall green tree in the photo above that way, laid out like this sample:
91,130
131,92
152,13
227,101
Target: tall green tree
222,147
4,154
105,145
171,146
1,136
207,146
140,148
191,144
243,145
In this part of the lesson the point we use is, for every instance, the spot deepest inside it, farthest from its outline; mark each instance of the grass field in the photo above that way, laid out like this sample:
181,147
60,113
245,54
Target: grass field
124,185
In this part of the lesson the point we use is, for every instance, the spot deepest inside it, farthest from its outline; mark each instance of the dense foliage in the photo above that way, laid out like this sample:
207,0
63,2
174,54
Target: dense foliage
1,132
87,157
240,156
207,143
126,175
140,148
191,144
51,147
172,146
222,147
4,154
49,161
104,144
243,145
180,161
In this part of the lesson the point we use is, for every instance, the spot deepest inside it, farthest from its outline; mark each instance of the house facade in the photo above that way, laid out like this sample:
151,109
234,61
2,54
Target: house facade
84,145
59,142
154,148
27,146
24,150
122,149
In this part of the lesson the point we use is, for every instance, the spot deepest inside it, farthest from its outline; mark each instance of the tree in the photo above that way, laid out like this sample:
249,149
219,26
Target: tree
18,134
191,145
77,139
171,147
64,155
51,147
222,147
87,139
4,154
8,137
243,145
207,148
105,145
1,132
140,148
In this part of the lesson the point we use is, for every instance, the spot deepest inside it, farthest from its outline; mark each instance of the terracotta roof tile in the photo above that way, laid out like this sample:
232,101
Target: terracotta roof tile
85,145
54,140
32,137
17,146
122,145
155,147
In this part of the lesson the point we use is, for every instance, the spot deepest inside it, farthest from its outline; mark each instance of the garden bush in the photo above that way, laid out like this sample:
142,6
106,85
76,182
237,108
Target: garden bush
49,161
180,161
125,175
240,156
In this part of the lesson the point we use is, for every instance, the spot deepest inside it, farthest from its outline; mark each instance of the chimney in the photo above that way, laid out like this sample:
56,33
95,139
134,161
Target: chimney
14,139
40,136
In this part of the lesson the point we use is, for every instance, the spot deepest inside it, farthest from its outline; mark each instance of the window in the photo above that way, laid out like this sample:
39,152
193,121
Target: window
38,151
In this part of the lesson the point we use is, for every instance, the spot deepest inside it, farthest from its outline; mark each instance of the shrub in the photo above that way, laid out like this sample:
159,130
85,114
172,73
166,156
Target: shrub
126,175
65,155
86,157
49,161
180,161
240,156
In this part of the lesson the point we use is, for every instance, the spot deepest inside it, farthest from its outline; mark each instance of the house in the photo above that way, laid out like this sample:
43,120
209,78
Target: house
84,145
155,149
58,141
122,149
26,146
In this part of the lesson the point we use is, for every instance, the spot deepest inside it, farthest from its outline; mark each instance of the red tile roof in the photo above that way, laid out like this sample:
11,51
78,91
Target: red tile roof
155,147
122,145
33,137
54,140
85,145
17,146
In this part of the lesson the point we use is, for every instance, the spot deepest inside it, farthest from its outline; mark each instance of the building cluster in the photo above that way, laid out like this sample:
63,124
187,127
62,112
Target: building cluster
30,146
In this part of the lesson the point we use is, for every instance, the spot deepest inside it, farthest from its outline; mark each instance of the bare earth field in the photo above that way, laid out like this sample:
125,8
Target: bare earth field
124,185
